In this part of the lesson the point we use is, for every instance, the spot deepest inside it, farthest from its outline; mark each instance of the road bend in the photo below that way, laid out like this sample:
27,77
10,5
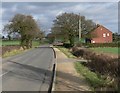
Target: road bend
28,71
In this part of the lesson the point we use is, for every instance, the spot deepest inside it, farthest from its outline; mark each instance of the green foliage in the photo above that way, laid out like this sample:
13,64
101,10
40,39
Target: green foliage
66,26
91,77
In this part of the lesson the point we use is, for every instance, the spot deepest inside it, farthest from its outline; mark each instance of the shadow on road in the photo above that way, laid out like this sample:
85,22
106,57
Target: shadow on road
36,74
29,72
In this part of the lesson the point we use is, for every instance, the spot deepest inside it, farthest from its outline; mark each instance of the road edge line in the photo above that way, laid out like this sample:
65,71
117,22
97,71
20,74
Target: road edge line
54,71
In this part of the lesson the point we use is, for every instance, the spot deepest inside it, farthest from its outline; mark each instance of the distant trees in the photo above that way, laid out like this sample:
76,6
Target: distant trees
116,37
40,36
50,37
66,26
26,26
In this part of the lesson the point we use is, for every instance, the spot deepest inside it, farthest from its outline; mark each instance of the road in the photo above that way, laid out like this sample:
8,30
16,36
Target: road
28,71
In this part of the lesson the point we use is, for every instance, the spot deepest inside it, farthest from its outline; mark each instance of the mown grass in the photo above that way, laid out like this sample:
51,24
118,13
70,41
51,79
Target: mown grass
17,42
10,42
66,52
90,76
112,50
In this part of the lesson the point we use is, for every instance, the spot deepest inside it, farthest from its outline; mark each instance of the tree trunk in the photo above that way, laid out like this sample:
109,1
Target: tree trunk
30,43
22,43
71,38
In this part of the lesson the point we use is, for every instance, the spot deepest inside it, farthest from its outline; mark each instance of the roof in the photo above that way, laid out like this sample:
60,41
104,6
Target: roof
102,27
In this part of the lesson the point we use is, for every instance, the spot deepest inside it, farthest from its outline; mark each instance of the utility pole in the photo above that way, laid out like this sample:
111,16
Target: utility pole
79,27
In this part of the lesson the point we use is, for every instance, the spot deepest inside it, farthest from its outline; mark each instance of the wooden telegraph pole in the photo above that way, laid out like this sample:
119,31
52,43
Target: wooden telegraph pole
79,27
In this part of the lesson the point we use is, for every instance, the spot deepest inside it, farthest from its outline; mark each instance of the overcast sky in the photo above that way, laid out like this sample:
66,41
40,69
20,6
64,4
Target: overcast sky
105,13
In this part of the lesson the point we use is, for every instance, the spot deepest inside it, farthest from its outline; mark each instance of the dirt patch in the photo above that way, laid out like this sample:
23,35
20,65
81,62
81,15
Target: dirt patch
5,49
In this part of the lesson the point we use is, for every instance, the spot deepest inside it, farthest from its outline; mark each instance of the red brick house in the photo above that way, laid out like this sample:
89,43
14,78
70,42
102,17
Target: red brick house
101,35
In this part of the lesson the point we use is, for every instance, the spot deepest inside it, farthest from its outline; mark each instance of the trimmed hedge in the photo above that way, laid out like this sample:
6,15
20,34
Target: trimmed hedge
103,65
98,63
115,44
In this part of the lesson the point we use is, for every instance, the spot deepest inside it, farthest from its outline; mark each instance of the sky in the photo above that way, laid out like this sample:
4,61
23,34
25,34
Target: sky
104,13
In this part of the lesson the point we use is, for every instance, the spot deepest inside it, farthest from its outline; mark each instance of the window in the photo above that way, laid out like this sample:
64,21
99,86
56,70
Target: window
104,35
101,28
93,41
108,34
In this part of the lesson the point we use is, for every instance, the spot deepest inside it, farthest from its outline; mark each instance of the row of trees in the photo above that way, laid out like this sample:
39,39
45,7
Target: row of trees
26,26
66,26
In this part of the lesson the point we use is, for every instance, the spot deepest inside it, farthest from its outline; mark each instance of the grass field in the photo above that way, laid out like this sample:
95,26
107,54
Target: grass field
113,50
16,42
12,42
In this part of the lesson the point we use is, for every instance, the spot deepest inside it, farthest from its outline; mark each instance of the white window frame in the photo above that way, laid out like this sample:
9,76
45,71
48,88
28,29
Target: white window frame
93,41
104,35
108,34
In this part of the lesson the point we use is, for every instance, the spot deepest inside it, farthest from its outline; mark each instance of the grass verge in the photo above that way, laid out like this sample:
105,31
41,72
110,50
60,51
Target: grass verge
13,52
90,76
66,52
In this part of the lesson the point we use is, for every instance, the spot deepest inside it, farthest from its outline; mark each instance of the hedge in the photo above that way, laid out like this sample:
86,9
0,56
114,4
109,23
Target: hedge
115,44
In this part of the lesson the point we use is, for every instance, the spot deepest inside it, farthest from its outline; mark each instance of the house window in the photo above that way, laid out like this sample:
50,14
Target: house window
104,35
101,28
108,34
93,41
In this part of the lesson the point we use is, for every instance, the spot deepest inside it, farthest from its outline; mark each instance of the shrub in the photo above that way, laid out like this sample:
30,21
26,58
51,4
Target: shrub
115,44
67,45
103,65
100,63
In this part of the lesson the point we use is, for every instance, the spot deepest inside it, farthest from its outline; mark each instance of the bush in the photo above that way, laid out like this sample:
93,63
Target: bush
67,45
115,44
103,65
100,63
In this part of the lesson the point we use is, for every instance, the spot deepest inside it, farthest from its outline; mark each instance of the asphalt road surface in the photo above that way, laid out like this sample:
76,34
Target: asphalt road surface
28,71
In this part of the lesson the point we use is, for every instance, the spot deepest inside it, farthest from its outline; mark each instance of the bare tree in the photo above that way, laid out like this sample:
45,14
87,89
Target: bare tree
26,26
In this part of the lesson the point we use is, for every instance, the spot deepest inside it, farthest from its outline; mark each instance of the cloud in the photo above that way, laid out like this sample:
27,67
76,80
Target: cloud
105,13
